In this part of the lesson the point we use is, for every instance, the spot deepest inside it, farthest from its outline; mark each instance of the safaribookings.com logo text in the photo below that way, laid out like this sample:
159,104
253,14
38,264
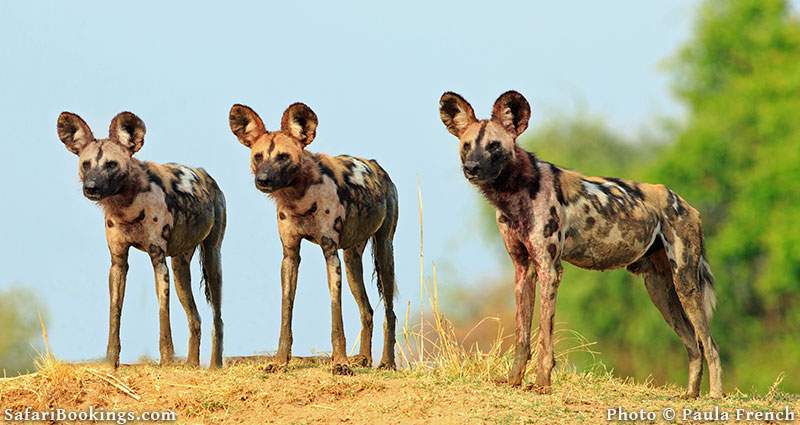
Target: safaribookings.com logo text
715,414
89,415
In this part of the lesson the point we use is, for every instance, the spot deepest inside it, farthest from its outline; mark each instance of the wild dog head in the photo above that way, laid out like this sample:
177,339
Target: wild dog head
486,146
275,157
103,164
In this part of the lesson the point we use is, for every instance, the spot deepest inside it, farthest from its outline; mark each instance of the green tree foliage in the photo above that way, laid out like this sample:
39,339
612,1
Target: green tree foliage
737,159
20,332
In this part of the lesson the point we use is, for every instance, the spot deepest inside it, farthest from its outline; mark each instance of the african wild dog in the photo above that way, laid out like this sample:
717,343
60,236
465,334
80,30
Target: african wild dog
166,210
547,214
337,202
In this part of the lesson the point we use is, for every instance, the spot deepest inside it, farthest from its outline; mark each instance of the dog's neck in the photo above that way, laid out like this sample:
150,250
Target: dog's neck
518,178
135,182
309,173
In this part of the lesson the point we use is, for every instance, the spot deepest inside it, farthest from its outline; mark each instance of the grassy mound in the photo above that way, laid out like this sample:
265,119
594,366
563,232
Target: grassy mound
308,393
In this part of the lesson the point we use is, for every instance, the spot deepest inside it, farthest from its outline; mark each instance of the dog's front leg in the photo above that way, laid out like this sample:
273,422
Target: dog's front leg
165,347
524,297
548,274
339,364
117,276
289,268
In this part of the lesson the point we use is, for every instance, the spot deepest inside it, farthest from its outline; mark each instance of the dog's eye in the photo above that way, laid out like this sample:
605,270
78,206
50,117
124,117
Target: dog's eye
465,146
258,157
85,165
282,157
112,165
493,145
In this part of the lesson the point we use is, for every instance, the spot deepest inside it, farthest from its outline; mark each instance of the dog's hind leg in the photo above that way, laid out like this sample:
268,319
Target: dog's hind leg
693,281
658,280
183,286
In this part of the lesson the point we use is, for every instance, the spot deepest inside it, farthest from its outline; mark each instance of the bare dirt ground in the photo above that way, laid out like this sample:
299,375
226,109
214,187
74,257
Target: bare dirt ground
307,393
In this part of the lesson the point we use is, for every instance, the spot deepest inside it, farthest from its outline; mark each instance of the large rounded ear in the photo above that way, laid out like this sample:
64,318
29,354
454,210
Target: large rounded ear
128,130
300,121
73,132
512,111
456,113
246,124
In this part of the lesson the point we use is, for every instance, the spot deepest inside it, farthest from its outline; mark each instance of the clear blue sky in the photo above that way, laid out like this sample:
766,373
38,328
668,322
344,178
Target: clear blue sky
373,73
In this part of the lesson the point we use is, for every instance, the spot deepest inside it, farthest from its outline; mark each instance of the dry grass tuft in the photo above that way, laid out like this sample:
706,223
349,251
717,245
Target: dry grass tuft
434,347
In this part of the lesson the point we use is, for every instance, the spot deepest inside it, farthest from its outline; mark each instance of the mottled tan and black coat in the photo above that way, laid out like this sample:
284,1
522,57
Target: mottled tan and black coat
547,214
336,202
165,210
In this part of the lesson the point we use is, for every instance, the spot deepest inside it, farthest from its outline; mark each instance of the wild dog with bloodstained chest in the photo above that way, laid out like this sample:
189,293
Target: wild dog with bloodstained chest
165,210
547,214
337,202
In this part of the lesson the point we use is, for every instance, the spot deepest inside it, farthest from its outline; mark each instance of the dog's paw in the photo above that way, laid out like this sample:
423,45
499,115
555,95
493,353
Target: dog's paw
387,366
341,369
274,368
539,389
360,361
689,395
